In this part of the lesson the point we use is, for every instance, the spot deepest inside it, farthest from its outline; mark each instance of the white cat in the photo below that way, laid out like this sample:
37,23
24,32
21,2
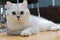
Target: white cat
20,21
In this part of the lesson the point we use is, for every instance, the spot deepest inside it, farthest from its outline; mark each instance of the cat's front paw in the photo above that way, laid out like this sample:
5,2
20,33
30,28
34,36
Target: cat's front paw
26,33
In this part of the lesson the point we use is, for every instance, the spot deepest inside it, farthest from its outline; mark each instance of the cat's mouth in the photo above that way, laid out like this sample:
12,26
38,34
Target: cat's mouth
18,20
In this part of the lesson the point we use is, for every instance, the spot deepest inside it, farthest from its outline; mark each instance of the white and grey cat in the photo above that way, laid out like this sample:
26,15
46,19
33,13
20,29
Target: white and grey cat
20,21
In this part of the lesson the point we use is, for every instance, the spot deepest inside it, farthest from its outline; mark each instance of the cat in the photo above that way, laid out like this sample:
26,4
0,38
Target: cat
20,21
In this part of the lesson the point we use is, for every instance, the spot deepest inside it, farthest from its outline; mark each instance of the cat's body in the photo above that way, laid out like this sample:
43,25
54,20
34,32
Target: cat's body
27,24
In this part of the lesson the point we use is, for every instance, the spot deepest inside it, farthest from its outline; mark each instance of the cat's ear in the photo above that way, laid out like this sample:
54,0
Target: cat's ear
25,4
8,4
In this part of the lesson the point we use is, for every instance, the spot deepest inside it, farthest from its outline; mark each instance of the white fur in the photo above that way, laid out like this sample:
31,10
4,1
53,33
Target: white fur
28,24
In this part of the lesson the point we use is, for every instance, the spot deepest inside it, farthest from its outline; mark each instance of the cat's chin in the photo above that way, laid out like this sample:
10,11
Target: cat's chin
17,22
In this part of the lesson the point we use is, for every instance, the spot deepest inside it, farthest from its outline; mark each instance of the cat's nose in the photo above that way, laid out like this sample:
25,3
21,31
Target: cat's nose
18,16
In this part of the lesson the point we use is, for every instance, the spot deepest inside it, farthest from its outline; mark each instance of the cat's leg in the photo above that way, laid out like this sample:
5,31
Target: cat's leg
26,32
29,31
55,27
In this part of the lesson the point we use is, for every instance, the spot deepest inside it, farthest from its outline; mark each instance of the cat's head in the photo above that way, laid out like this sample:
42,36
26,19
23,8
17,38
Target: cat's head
17,12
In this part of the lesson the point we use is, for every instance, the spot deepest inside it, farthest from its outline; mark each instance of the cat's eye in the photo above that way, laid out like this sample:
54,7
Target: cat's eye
22,12
14,13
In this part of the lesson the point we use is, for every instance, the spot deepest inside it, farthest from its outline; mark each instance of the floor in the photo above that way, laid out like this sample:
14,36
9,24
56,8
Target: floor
49,35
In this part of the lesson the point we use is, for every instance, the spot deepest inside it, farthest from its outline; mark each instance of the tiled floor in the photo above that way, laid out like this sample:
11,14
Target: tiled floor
49,35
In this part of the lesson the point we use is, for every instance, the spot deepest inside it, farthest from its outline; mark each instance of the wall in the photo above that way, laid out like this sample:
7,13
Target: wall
43,3
57,2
